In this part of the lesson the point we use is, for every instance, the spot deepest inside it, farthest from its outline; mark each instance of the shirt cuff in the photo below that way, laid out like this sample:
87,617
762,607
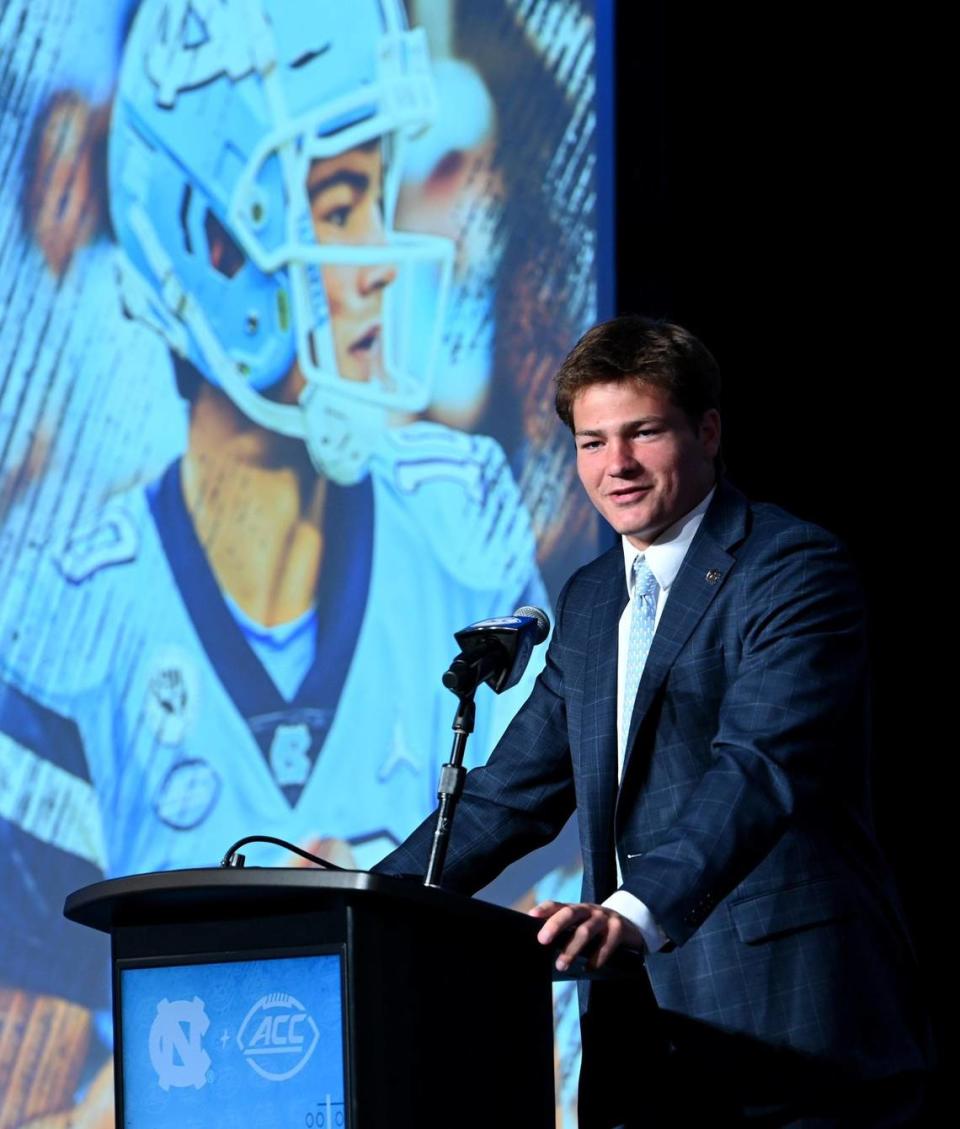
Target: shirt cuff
624,903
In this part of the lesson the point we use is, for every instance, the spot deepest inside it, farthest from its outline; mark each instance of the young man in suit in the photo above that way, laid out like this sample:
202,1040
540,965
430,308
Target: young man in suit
704,708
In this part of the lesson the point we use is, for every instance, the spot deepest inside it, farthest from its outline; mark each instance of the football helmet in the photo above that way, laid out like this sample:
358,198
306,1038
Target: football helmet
224,109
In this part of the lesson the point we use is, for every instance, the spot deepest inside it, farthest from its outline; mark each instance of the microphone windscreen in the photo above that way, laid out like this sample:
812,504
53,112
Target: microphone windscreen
543,620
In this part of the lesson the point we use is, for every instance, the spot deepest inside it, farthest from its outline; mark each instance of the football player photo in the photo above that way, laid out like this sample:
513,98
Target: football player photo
248,517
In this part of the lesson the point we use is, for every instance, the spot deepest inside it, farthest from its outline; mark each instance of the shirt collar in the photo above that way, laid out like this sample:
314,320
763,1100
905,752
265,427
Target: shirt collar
665,555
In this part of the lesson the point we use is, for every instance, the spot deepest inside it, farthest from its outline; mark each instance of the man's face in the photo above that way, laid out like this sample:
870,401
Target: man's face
641,462
346,204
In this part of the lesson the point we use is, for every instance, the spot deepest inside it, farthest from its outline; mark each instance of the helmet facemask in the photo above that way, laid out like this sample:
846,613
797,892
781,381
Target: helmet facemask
326,284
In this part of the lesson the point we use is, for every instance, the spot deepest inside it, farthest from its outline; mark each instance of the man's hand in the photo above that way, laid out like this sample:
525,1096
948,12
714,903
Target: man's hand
587,926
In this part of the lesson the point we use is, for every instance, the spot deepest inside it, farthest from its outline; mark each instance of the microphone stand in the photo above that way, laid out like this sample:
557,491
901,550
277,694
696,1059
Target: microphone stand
451,785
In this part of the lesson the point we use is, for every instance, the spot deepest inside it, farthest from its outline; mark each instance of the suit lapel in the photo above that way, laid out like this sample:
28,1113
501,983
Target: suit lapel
701,576
598,767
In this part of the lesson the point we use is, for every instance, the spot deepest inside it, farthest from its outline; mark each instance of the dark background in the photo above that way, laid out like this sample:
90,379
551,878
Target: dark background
773,196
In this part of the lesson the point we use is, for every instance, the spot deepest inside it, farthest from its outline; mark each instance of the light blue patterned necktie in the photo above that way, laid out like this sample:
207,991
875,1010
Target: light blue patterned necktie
642,619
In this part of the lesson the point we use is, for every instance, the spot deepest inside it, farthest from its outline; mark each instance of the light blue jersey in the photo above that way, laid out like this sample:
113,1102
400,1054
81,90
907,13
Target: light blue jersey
140,732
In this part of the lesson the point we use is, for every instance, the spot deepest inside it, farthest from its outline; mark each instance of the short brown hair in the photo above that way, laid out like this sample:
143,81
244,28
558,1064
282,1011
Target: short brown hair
650,351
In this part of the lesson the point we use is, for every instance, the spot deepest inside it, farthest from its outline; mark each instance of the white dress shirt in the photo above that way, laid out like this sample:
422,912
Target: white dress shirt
664,558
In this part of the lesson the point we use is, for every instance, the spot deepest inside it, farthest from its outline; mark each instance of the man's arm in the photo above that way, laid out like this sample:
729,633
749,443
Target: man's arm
519,800
516,802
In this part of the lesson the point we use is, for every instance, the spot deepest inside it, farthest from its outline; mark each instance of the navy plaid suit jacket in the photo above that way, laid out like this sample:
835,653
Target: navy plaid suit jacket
742,820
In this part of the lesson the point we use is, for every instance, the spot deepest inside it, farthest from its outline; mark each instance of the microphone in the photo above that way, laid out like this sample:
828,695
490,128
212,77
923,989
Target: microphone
496,651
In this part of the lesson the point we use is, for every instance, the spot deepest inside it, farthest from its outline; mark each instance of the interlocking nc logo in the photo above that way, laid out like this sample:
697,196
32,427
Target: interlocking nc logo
176,1046
278,1029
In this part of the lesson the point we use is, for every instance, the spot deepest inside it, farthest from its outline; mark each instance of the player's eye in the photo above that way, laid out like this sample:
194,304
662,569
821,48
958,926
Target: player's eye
337,217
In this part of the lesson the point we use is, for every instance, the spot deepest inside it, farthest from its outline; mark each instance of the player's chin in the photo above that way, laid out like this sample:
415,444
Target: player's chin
635,522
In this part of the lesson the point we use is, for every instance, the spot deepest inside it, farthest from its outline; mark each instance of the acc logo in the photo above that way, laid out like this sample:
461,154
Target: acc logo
278,1029
176,1047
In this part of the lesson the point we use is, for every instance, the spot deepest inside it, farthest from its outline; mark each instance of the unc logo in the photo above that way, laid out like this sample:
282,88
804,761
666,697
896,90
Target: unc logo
288,754
278,1029
194,43
176,1043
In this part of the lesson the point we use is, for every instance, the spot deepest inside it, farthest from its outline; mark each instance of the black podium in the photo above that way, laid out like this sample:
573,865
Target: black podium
304,999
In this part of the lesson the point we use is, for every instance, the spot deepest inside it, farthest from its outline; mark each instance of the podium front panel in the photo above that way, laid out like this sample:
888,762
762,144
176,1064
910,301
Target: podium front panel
252,1041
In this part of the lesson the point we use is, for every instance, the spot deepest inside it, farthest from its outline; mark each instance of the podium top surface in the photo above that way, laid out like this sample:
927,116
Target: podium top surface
216,892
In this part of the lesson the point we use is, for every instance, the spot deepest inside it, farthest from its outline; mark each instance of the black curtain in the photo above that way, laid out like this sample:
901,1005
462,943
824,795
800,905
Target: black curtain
776,195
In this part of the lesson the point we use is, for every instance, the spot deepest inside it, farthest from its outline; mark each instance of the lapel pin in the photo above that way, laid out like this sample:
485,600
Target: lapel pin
713,575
